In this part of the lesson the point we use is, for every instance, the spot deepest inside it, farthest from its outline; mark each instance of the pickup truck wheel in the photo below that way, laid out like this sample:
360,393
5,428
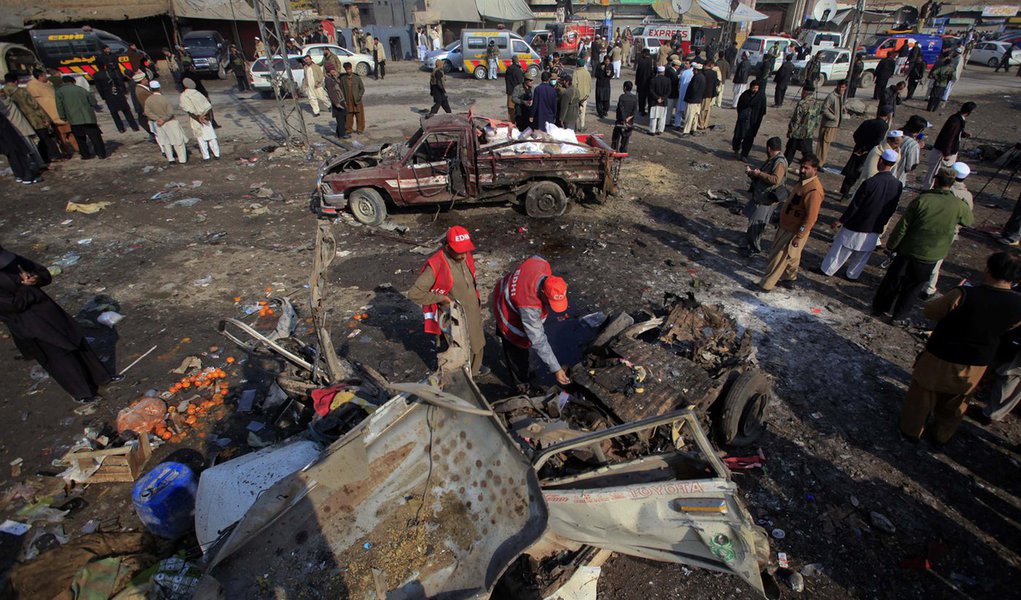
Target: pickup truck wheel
740,420
480,73
362,69
867,79
545,200
533,71
367,206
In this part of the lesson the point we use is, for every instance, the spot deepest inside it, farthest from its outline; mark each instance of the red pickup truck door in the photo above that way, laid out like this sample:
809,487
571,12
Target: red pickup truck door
424,176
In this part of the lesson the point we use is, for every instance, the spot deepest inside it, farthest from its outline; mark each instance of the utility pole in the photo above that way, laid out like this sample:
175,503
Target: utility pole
292,120
859,15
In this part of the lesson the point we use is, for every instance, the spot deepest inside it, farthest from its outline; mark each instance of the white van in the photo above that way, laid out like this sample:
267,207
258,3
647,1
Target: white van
512,47
757,45
820,40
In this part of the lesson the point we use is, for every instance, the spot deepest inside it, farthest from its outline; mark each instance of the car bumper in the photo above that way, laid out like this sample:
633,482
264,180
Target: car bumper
325,203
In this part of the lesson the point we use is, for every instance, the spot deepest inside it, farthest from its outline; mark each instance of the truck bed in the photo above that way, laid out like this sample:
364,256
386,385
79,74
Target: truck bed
589,161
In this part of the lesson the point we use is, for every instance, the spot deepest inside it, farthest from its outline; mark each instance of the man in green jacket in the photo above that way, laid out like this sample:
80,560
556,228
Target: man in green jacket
36,115
78,107
921,238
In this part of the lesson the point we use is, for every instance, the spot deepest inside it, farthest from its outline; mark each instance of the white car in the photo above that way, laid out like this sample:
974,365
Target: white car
990,53
652,43
361,63
261,81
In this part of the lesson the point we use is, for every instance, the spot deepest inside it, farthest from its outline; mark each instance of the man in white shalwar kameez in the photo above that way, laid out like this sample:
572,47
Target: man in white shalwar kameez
199,109
864,219
169,134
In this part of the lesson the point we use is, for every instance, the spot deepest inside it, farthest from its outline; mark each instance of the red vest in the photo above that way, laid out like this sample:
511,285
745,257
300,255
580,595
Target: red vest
443,283
515,290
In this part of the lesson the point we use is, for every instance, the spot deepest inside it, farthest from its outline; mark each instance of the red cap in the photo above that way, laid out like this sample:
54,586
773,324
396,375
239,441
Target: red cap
555,289
459,239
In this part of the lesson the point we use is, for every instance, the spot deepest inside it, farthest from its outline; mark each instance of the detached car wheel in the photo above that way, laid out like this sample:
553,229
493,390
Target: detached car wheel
742,410
367,206
480,73
533,70
868,79
545,200
221,73
362,69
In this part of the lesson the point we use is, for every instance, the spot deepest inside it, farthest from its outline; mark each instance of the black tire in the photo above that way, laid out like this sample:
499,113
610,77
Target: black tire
545,200
447,67
367,206
993,62
362,69
868,78
480,72
533,70
741,410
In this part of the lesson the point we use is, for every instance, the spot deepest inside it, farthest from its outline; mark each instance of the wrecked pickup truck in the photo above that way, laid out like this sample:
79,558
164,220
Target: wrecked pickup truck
462,158
436,494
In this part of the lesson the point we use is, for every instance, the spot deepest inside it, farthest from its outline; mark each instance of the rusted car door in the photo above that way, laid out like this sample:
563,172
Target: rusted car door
432,172
677,506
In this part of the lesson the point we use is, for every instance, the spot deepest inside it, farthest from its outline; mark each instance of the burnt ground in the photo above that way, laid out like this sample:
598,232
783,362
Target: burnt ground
833,451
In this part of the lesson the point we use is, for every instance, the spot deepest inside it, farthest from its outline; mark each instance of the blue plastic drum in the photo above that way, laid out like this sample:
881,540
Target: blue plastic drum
164,499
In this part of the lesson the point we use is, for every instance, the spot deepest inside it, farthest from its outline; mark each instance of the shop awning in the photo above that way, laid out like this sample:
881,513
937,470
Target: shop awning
19,13
505,11
734,12
226,10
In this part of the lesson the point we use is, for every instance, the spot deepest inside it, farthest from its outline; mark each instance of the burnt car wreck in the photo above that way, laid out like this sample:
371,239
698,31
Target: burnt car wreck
464,159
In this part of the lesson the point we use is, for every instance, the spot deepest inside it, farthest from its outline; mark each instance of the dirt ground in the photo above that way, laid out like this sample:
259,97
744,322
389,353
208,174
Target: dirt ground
834,455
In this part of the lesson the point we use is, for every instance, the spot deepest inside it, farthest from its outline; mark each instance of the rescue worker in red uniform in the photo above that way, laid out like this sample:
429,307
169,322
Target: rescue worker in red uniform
522,300
448,276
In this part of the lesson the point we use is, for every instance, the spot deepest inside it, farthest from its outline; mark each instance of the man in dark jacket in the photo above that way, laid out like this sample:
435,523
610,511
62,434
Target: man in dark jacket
916,72
713,86
741,74
113,89
751,108
604,75
944,150
644,70
884,71
513,77
627,108
890,97
567,105
856,73
338,107
730,55
673,71
867,136
659,90
693,97
864,220
438,91
544,103
782,80
970,323
41,330
522,98
902,56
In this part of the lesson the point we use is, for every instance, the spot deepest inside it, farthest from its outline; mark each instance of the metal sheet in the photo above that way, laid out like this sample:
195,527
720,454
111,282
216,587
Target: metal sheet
438,502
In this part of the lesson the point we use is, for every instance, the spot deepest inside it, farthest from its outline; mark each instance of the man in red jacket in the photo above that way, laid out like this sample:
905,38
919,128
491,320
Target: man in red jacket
449,276
522,300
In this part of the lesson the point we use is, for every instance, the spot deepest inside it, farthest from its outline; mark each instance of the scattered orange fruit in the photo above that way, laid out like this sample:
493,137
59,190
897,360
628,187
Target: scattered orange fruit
230,360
